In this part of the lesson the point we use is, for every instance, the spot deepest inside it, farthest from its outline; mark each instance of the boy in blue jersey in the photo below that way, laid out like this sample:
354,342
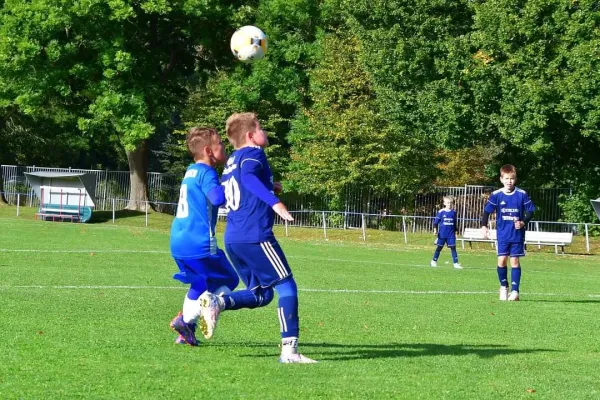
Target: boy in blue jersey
249,239
444,225
193,244
514,209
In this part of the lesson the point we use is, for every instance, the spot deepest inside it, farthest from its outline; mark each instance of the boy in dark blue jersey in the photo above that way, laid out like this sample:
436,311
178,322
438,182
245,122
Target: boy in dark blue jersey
193,244
514,209
444,225
249,239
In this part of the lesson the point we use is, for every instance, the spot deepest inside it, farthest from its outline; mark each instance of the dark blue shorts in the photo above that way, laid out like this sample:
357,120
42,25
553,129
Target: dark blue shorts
216,270
511,249
450,242
259,264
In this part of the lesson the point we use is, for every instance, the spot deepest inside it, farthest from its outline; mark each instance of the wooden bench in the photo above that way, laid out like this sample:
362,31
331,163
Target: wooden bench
475,235
555,239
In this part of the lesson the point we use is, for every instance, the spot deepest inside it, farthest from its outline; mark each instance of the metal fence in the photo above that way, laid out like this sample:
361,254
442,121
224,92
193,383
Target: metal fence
164,188
364,227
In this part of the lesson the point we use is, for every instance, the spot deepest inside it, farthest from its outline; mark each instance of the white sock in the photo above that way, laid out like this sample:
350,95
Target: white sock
191,310
289,346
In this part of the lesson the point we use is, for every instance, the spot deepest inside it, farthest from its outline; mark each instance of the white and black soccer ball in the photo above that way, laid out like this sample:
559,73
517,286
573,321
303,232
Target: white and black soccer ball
249,44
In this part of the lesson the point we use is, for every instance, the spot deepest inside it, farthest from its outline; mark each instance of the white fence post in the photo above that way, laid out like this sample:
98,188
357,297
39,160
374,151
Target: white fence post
587,239
18,203
324,226
364,227
146,213
286,228
113,209
404,229
537,228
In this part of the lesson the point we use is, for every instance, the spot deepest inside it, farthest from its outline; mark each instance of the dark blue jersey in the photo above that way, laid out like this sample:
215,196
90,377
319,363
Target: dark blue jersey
193,229
248,183
445,221
509,208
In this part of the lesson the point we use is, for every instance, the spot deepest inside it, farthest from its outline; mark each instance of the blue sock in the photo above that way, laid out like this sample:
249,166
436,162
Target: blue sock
502,276
515,277
197,288
259,297
437,252
454,255
288,308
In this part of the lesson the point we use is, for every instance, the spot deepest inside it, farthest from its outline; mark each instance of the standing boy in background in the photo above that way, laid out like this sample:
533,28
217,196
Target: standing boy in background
514,209
445,226
193,244
249,239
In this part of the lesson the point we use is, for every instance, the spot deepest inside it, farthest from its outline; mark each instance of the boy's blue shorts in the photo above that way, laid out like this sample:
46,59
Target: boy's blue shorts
215,269
451,241
511,249
259,264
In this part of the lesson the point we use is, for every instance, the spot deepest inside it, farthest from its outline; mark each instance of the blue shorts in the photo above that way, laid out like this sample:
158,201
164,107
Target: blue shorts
216,270
511,249
259,264
450,242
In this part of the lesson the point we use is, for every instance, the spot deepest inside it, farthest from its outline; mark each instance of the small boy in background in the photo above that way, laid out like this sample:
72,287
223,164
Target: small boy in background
444,225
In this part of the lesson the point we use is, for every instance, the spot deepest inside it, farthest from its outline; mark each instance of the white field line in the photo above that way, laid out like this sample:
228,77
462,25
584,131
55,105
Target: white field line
343,291
337,260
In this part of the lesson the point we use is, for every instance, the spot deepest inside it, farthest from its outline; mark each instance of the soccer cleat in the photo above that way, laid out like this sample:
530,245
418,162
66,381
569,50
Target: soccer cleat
513,296
180,340
296,358
503,293
433,263
458,266
211,306
185,330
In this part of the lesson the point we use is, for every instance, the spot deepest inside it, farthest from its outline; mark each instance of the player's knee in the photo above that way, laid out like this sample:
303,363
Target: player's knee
287,288
439,248
265,295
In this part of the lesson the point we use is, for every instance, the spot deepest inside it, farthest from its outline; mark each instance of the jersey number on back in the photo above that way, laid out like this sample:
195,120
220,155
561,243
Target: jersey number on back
232,194
182,206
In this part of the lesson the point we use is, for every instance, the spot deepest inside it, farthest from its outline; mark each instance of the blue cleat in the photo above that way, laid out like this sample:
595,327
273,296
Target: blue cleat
186,331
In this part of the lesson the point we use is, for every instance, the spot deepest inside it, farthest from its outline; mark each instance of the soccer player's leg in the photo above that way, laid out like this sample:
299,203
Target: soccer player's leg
451,241
503,253
516,252
439,242
222,278
192,272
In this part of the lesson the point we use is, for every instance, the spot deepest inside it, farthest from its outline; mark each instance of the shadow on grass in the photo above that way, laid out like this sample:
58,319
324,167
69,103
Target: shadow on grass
597,301
99,217
344,352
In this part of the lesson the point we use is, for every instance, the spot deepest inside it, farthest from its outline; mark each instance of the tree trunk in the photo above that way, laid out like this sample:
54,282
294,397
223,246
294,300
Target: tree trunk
138,177
2,198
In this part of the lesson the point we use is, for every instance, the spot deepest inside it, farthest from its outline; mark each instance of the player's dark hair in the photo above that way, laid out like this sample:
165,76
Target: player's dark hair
238,125
508,169
198,137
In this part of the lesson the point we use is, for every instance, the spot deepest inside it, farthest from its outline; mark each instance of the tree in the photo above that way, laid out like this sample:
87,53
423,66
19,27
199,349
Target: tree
116,68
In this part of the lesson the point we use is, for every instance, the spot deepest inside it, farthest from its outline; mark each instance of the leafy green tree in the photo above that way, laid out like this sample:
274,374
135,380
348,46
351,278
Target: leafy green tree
115,68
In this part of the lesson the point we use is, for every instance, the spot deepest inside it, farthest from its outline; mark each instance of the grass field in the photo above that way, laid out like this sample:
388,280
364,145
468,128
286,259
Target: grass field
86,308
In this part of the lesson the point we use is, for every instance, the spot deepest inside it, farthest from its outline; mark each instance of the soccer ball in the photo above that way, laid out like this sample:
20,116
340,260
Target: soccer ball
249,44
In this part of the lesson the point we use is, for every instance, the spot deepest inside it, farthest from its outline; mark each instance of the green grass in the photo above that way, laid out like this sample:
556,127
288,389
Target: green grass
86,307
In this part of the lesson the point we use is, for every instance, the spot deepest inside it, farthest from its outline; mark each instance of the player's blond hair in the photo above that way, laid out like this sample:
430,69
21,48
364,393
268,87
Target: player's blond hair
238,125
198,137
507,169
450,200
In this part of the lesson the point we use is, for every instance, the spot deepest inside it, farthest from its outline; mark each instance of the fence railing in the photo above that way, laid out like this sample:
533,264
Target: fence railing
362,227
164,188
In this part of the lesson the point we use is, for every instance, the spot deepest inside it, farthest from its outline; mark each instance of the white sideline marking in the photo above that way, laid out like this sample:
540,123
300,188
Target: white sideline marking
400,292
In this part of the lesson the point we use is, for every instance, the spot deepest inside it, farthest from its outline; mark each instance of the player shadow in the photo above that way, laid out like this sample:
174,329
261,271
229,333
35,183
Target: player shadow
345,352
105,216
564,301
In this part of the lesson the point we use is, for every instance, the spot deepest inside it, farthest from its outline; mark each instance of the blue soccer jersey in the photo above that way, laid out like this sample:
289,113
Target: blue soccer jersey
445,220
247,176
193,229
509,208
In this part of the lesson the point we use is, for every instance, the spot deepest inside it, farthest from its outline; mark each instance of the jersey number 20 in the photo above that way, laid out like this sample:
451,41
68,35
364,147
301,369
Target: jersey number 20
182,206
232,194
